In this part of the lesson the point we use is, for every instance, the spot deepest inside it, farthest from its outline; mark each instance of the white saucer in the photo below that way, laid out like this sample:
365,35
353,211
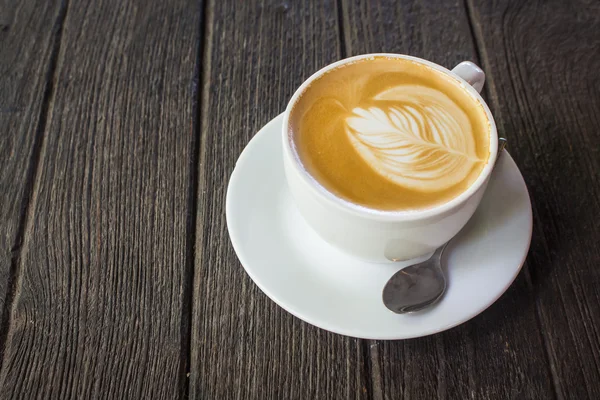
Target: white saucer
326,288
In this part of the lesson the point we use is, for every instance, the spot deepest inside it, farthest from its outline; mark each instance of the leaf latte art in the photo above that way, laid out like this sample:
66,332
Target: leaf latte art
390,134
414,137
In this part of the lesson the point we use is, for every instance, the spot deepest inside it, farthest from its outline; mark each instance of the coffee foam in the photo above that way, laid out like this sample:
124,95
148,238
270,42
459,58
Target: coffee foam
390,134
415,136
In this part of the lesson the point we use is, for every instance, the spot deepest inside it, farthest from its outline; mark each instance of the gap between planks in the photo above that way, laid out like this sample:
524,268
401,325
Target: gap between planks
188,291
201,96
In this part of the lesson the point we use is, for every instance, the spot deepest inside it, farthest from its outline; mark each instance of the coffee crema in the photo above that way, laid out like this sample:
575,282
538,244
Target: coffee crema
390,134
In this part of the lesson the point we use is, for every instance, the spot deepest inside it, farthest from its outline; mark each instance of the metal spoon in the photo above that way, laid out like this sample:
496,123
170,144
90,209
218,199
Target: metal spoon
421,285
416,287
501,145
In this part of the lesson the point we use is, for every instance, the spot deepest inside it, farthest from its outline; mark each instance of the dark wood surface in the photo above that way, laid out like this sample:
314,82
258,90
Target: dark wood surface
27,57
102,285
120,123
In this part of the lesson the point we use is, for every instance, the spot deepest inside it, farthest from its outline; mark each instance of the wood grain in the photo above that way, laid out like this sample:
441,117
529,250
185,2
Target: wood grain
27,46
545,92
244,346
99,304
499,354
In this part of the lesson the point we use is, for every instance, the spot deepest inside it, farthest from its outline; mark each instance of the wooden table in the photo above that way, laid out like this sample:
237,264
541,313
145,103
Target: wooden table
120,122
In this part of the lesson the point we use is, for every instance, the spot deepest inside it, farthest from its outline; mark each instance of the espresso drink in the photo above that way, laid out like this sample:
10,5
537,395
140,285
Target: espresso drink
390,134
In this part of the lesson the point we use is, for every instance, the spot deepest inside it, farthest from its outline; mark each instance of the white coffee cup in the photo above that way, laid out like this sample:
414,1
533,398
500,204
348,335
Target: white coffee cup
385,237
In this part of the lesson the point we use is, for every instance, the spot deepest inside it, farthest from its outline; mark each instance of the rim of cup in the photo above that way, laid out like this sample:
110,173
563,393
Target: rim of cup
384,215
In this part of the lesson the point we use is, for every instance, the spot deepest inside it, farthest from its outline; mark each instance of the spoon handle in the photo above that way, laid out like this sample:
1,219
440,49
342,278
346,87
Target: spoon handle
502,142
438,253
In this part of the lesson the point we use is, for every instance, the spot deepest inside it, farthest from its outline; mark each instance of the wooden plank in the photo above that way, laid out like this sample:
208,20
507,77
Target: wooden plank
244,346
27,39
499,354
544,60
435,30
99,304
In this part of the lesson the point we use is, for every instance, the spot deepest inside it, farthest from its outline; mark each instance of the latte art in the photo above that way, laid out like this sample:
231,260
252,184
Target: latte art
390,134
414,138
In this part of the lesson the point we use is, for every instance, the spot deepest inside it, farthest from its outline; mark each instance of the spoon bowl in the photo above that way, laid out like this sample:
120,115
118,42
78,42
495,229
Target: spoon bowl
416,287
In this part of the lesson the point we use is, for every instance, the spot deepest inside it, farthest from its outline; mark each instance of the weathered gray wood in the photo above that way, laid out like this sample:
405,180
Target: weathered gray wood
27,41
499,354
99,304
544,59
243,345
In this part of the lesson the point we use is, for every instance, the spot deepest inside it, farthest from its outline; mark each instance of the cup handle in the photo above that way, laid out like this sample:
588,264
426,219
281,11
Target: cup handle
471,73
